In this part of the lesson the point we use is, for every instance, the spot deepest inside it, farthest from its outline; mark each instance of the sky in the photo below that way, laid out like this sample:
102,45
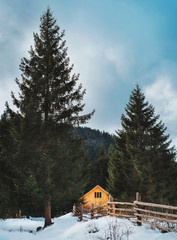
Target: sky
113,44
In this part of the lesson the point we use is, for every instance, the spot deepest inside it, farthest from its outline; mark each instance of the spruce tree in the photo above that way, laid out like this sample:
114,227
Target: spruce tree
6,175
8,167
49,104
142,159
100,166
119,182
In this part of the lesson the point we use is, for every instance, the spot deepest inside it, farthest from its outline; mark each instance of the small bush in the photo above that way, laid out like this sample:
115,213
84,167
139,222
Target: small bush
116,231
92,228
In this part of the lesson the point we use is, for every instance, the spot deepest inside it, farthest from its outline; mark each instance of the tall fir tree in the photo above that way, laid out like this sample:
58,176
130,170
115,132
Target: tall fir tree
142,159
7,203
49,104
100,166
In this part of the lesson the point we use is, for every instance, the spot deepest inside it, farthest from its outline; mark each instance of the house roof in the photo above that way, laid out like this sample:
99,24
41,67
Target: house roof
94,188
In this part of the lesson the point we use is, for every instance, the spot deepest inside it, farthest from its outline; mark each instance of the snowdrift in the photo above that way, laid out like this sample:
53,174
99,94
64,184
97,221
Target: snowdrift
68,227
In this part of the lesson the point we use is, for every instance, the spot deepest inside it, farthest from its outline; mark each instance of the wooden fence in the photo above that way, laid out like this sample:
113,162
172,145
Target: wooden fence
156,215
86,213
121,209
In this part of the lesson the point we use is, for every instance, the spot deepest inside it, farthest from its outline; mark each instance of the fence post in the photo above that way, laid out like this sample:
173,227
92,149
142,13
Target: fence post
92,212
110,205
80,212
74,210
108,209
114,211
138,199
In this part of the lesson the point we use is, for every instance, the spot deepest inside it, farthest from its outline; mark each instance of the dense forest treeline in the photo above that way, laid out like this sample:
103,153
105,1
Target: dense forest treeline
96,145
19,192
93,140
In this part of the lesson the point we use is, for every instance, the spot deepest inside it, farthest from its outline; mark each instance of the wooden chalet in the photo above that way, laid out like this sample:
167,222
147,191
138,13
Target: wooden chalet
97,196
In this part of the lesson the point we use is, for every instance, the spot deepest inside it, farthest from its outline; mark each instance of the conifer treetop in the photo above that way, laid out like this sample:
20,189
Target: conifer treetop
48,85
140,119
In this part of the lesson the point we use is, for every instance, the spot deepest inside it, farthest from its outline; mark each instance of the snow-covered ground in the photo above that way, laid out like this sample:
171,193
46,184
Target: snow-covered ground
68,227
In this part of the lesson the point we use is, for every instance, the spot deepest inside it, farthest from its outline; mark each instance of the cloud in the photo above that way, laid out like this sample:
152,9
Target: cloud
122,57
101,68
163,95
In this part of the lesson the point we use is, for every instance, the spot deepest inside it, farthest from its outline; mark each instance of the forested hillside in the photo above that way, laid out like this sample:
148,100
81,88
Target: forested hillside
93,140
96,144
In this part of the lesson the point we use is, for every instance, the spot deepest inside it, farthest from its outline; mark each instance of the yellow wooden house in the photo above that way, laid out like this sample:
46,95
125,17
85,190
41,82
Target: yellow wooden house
97,196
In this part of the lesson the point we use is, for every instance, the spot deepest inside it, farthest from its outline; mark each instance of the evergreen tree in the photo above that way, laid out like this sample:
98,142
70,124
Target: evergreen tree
6,183
120,170
142,159
49,104
100,166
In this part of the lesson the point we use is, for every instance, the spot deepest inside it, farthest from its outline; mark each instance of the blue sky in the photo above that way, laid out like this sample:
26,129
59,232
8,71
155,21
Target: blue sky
113,44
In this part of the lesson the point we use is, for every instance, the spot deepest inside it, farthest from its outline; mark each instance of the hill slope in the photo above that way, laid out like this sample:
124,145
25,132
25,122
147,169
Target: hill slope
67,227
94,139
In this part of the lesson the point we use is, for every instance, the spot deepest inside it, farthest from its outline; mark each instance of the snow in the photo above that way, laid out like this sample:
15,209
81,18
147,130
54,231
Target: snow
68,227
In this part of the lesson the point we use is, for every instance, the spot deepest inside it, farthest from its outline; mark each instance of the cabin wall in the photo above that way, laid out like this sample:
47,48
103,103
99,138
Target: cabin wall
90,199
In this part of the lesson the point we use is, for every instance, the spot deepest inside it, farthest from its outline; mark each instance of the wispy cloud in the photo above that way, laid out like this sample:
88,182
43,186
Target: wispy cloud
122,57
163,96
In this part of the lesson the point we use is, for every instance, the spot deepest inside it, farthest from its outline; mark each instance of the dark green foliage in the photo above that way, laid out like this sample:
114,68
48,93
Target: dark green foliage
70,179
98,169
93,140
119,182
142,159
49,158
8,203
96,144
101,167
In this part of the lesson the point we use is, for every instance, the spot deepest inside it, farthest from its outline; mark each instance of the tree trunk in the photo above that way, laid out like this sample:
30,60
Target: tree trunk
47,212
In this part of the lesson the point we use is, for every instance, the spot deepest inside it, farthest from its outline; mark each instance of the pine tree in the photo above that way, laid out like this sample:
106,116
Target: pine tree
8,168
142,159
49,103
119,182
6,184
100,166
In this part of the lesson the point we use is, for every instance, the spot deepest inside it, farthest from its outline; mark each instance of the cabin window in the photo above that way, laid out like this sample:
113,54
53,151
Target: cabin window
97,194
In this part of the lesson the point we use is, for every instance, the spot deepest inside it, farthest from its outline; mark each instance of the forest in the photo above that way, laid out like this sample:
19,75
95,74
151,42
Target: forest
49,157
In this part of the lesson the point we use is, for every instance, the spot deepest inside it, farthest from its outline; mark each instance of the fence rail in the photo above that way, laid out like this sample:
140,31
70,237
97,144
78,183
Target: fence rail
156,215
121,209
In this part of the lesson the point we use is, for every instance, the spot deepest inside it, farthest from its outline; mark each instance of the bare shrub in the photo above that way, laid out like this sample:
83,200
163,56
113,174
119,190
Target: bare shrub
92,227
116,231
